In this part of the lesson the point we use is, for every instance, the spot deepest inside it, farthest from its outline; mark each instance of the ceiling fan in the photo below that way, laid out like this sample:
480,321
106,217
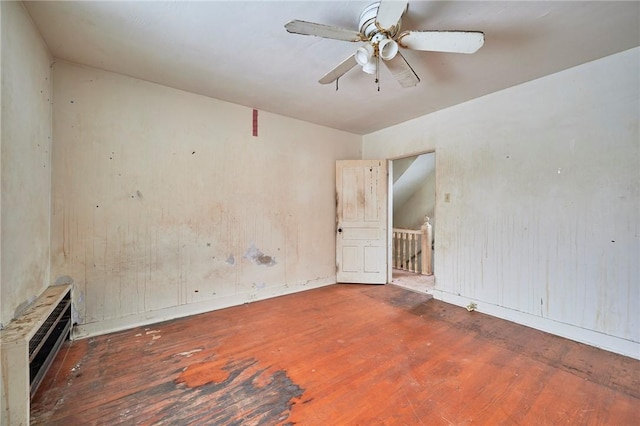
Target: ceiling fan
380,28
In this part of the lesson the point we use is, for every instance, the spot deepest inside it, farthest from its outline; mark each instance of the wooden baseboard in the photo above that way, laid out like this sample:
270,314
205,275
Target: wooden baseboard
97,328
590,337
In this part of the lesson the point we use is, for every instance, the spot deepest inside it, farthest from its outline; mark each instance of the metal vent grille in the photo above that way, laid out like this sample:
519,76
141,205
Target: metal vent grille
46,342
45,330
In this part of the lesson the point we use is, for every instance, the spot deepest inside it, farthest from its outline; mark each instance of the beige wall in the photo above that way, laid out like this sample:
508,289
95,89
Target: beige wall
166,205
25,142
543,226
410,215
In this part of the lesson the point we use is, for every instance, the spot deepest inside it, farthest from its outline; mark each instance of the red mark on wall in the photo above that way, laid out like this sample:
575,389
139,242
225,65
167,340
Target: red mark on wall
255,122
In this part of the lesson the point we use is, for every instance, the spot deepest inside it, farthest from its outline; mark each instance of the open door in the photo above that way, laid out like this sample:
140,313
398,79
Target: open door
361,233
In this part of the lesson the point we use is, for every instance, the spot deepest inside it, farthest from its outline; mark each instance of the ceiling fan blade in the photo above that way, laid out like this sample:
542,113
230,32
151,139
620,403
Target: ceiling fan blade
442,41
321,30
390,12
402,71
339,70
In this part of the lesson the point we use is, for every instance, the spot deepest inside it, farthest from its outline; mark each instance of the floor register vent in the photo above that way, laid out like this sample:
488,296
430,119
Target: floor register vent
29,345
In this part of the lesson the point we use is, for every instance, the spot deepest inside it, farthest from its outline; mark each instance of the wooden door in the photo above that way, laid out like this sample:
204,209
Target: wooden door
361,232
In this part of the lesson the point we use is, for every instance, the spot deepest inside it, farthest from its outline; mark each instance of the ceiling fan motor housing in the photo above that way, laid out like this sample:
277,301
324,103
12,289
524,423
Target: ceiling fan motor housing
382,43
368,25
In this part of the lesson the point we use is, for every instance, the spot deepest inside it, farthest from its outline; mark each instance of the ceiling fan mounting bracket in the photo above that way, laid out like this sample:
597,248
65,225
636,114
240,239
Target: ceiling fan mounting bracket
399,39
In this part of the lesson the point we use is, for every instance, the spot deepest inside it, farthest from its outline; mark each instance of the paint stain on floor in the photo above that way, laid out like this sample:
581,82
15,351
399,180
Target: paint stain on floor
207,390
240,393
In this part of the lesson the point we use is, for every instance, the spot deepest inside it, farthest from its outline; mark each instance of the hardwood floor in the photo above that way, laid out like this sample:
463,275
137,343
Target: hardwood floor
339,355
413,281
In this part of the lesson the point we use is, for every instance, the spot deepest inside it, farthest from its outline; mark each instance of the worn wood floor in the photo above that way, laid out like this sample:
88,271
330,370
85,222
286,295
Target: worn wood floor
413,281
339,355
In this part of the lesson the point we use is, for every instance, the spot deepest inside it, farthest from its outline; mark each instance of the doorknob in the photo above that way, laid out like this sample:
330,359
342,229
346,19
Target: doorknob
340,230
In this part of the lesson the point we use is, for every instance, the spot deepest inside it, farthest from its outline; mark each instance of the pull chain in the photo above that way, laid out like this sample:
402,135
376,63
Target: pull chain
378,72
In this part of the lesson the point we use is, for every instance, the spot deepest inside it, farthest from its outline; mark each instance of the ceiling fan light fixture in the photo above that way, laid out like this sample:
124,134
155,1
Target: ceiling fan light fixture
364,55
370,67
388,49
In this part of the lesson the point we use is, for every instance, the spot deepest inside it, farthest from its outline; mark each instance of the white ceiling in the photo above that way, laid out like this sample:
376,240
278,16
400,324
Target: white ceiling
240,52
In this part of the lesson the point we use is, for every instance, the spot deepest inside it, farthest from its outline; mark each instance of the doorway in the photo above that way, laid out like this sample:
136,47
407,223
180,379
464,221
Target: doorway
412,198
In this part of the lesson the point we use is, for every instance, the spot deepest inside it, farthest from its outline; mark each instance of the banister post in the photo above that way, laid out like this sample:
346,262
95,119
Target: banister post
426,237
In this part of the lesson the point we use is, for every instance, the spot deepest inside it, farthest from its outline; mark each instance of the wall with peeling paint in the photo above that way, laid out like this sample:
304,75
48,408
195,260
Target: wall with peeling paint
543,223
164,204
25,162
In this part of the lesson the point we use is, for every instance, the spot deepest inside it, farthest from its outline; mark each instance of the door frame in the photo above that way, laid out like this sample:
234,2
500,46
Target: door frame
390,207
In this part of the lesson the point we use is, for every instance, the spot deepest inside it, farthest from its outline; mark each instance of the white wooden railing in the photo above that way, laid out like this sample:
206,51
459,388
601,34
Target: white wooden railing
412,249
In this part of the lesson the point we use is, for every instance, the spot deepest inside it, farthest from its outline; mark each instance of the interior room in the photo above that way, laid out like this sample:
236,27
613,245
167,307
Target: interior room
174,200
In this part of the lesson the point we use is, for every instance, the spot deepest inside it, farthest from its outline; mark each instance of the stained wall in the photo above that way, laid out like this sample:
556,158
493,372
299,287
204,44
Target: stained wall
542,226
165,204
25,165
